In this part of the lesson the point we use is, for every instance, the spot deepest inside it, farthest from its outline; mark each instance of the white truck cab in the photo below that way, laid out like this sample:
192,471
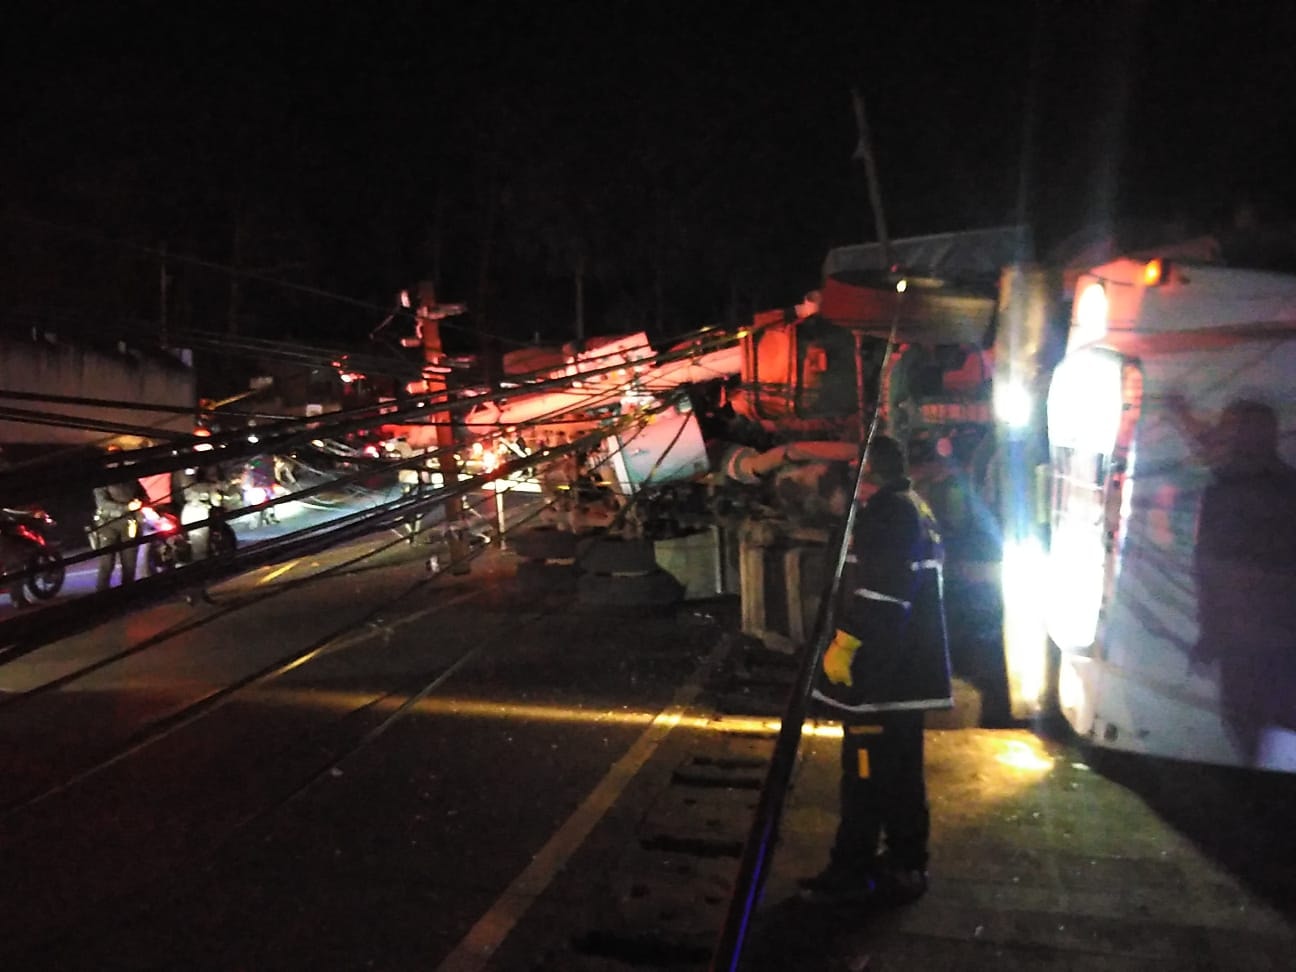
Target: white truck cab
1169,582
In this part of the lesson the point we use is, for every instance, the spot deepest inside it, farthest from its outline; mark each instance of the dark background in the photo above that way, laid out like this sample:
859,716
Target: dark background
694,161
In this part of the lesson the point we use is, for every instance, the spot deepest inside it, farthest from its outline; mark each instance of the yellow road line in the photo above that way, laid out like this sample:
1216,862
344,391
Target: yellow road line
281,570
485,937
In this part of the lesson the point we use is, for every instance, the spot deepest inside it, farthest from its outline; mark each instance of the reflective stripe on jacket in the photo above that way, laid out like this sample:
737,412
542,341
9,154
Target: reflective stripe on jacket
892,600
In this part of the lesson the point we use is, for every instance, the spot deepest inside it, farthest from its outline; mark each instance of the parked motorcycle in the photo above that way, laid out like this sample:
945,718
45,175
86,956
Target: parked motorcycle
29,545
173,541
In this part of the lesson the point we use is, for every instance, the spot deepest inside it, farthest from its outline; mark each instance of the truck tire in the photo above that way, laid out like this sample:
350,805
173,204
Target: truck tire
656,588
613,555
542,543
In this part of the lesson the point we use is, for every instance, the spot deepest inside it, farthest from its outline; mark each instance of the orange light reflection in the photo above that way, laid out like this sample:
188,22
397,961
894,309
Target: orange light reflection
487,709
1026,755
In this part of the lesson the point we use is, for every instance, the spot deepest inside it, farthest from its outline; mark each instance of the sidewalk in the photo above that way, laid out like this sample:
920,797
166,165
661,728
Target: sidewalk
1041,861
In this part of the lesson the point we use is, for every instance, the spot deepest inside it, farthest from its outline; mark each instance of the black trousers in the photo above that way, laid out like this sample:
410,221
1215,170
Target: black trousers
114,532
883,792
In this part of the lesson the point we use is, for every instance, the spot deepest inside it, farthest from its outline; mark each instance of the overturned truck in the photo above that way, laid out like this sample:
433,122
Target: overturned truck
905,336
1166,585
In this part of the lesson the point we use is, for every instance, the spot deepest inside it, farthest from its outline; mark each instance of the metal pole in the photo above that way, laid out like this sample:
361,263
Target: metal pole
864,152
861,396
769,809
499,513
764,831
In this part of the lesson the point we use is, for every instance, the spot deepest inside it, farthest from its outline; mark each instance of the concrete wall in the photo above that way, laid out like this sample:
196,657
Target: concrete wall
60,368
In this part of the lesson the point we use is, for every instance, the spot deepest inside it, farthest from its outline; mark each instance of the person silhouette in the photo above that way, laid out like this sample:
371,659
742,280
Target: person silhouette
1244,565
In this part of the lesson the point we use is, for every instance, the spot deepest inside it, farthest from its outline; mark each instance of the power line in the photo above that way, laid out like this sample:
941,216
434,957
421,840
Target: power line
170,256
39,476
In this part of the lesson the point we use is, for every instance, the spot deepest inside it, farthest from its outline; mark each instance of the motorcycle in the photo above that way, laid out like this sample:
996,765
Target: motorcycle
173,541
257,488
30,548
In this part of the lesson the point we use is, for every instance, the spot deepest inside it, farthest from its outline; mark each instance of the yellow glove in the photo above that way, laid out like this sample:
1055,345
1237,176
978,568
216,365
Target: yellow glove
838,657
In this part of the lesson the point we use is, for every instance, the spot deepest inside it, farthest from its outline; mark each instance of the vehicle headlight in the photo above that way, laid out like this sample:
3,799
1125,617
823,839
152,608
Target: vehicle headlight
1090,315
1013,404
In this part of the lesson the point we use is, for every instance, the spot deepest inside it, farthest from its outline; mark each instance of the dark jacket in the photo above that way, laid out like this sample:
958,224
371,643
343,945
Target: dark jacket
892,600
1244,564
113,502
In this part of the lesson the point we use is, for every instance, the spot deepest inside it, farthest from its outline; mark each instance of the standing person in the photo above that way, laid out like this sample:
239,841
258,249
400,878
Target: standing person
116,521
283,471
1244,566
259,481
887,663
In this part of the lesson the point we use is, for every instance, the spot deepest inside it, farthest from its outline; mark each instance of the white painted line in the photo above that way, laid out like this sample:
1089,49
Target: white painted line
485,937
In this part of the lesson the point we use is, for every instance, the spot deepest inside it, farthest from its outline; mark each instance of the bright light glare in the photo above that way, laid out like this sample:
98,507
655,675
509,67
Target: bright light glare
1090,317
1085,403
1025,755
513,486
1025,640
1071,688
902,286
1075,584
1012,403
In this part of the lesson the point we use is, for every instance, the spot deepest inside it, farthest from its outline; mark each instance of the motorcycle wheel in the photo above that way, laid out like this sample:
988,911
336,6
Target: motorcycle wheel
221,541
46,579
159,558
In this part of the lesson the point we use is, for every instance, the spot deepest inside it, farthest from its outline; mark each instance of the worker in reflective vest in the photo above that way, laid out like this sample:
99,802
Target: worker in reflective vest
887,663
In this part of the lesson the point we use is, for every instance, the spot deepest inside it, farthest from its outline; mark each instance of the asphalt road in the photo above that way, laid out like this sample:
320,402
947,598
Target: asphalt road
399,750
344,761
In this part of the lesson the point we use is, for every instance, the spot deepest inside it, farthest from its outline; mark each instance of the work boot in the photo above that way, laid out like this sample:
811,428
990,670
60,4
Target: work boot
896,887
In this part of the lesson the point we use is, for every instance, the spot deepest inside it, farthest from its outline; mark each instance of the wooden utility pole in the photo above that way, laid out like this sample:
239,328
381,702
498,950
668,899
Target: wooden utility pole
428,319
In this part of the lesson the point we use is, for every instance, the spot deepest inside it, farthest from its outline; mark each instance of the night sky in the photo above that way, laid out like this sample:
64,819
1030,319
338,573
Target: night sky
693,162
